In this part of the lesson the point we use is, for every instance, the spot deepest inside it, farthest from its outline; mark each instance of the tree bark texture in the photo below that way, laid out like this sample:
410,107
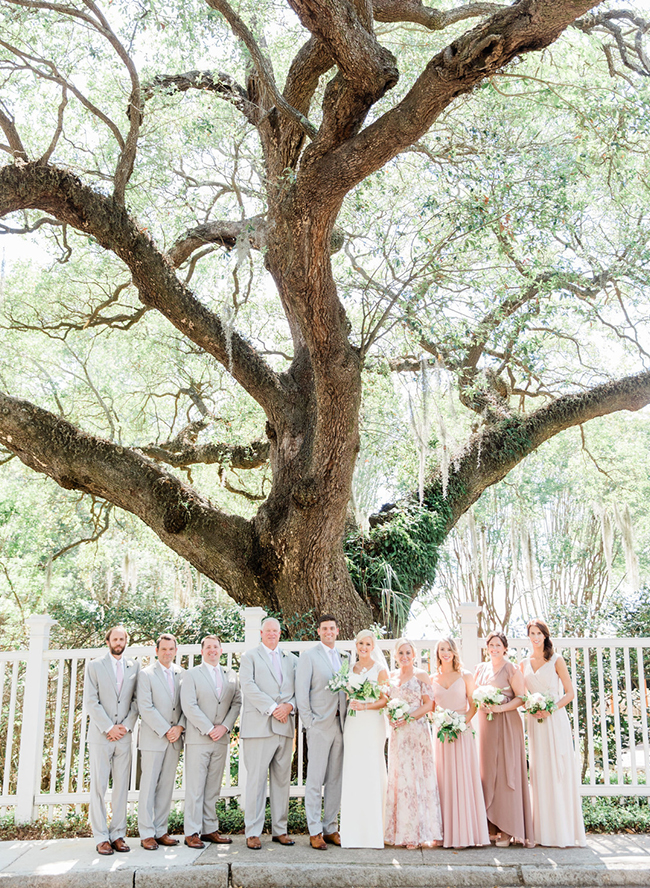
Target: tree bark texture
290,556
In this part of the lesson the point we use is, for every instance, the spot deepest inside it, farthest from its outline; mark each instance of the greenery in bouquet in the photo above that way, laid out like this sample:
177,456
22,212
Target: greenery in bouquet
398,710
538,702
449,724
354,686
489,695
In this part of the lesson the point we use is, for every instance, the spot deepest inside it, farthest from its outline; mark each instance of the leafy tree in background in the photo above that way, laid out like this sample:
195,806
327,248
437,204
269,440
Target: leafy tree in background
483,211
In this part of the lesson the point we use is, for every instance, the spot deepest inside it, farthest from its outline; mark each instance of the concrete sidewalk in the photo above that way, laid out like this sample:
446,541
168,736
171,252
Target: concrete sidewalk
608,860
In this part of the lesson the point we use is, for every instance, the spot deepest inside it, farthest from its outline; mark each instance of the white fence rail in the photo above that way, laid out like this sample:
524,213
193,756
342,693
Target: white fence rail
43,760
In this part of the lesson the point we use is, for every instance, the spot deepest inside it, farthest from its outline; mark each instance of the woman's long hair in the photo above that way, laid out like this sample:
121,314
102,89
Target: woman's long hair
546,632
457,665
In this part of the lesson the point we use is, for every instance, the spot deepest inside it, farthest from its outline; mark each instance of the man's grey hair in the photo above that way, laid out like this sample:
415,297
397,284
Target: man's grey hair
270,620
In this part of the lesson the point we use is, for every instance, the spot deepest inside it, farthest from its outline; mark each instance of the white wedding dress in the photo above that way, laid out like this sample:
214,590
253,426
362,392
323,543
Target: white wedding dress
363,797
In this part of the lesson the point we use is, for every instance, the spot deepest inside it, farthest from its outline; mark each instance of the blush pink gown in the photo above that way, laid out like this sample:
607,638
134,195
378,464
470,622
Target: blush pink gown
412,802
459,780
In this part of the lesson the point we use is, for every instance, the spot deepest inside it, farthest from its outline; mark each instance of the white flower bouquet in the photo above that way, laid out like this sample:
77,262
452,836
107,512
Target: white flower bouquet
538,702
355,687
489,695
398,710
449,724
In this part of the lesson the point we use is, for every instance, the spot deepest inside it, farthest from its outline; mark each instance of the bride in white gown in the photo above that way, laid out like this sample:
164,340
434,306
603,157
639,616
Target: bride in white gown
363,797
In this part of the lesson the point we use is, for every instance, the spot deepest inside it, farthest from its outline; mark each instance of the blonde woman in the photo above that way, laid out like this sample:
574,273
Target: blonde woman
363,796
459,780
413,814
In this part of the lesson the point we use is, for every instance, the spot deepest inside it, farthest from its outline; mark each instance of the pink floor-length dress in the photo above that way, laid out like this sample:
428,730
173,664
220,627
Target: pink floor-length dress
502,760
412,803
554,774
459,780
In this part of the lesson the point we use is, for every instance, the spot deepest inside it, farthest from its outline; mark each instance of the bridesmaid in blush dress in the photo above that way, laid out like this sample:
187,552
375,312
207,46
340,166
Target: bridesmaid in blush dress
554,775
502,753
459,780
412,803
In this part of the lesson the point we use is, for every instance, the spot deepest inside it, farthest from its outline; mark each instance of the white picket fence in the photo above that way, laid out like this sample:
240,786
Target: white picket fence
43,758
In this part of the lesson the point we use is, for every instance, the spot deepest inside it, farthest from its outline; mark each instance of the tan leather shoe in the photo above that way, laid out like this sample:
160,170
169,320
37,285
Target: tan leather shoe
194,841
318,842
120,845
283,839
253,842
216,838
149,844
104,848
166,840
332,838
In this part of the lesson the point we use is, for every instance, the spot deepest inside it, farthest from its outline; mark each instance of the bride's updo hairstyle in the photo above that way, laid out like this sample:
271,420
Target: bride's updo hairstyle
400,644
365,633
457,665
546,632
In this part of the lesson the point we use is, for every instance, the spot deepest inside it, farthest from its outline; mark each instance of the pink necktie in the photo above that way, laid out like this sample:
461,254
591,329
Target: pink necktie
170,682
277,666
119,675
217,678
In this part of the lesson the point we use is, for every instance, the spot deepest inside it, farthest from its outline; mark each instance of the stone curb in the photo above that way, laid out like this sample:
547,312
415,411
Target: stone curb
245,875
84,879
585,876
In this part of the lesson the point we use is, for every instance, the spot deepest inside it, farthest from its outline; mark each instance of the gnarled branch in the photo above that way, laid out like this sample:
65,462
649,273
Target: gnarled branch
217,544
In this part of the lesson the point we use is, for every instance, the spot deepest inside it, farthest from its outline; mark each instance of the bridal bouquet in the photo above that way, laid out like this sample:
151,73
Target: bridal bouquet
489,695
354,686
449,724
397,710
538,702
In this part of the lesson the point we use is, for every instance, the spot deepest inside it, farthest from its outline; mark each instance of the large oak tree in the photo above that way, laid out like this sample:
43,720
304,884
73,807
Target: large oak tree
326,130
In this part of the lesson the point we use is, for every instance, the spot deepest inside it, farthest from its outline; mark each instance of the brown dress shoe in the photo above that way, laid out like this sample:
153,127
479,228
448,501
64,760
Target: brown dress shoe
194,841
317,842
332,838
104,848
283,839
217,838
120,845
166,840
149,844
253,842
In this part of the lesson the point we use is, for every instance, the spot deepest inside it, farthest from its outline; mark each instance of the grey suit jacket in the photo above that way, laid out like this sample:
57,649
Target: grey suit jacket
158,711
261,691
203,709
103,704
316,703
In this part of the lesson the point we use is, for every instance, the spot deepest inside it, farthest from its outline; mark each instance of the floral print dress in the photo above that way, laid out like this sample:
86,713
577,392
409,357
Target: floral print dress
412,803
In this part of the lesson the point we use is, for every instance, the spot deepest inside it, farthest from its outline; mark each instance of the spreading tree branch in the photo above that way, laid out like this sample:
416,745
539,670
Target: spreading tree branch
50,189
218,545
525,26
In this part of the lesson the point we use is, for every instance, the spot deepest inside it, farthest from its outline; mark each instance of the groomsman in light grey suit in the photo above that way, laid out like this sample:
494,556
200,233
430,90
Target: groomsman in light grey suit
322,714
211,701
267,731
160,742
109,700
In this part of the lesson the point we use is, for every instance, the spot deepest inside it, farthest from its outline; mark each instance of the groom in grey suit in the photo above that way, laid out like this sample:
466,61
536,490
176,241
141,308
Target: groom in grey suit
322,714
267,731
109,700
211,701
160,741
